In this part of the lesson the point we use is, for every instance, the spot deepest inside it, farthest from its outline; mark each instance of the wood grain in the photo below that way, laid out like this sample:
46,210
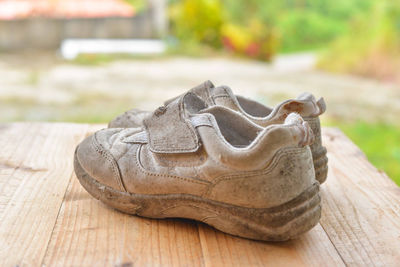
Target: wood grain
361,211
38,185
15,147
47,218
312,249
89,233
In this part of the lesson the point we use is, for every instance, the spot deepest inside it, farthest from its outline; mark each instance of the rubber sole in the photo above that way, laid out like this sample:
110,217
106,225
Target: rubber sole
279,223
320,163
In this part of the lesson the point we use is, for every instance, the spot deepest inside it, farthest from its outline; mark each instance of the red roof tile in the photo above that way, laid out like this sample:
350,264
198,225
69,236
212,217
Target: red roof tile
17,9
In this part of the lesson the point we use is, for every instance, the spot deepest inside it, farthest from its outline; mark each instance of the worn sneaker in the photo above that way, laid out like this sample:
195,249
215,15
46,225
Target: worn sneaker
306,105
209,164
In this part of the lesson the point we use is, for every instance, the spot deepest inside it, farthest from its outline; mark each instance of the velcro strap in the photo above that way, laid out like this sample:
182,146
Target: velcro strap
200,120
169,131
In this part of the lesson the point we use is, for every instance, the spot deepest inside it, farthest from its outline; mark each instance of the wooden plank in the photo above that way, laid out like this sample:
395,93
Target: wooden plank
88,233
312,249
15,146
43,169
361,211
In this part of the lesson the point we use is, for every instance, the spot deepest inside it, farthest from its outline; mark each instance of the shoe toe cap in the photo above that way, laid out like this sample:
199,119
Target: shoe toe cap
94,156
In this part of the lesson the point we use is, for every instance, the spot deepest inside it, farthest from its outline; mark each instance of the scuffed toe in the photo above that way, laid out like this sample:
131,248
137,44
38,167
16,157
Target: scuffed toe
95,157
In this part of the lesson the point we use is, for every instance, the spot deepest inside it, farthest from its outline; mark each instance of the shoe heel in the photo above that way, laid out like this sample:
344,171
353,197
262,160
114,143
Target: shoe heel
320,163
280,223
318,151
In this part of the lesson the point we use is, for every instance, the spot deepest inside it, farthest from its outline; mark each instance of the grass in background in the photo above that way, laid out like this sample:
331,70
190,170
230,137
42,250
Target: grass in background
372,46
380,142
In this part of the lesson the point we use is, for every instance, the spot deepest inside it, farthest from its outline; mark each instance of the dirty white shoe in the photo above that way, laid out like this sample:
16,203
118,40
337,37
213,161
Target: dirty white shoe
305,105
209,164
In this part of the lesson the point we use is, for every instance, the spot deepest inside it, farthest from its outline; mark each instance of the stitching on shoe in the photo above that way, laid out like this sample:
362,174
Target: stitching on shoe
255,142
186,163
221,96
275,161
251,174
107,156
144,171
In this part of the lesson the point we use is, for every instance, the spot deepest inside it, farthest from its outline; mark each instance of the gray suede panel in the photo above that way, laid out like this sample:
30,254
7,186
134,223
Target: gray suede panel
169,130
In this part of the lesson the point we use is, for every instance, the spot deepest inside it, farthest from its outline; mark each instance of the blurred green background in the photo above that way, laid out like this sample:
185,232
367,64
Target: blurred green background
350,32
355,45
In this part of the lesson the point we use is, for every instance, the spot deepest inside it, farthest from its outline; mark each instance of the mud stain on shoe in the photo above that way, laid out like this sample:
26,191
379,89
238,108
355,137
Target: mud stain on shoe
294,107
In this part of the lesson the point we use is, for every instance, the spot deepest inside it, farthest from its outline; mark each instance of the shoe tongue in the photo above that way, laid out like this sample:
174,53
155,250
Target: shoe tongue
202,90
169,130
223,96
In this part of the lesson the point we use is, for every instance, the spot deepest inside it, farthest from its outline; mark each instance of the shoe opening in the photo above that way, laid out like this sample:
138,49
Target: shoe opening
253,108
235,129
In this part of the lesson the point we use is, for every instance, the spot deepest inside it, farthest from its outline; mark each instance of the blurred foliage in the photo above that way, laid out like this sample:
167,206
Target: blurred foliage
380,143
98,59
255,41
197,21
260,28
301,24
306,30
371,47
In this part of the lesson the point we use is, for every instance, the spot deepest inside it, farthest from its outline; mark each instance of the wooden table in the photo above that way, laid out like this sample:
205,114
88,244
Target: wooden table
47,218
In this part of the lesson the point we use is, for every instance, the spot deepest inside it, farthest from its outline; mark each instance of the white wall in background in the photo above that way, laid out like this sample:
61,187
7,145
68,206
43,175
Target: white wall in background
71,48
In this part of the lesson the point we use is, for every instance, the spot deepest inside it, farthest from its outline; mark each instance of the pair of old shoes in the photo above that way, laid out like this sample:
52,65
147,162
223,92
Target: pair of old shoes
211,156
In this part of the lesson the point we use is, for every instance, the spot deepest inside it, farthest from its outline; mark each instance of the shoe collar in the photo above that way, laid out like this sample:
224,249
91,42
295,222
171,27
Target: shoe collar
305,104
